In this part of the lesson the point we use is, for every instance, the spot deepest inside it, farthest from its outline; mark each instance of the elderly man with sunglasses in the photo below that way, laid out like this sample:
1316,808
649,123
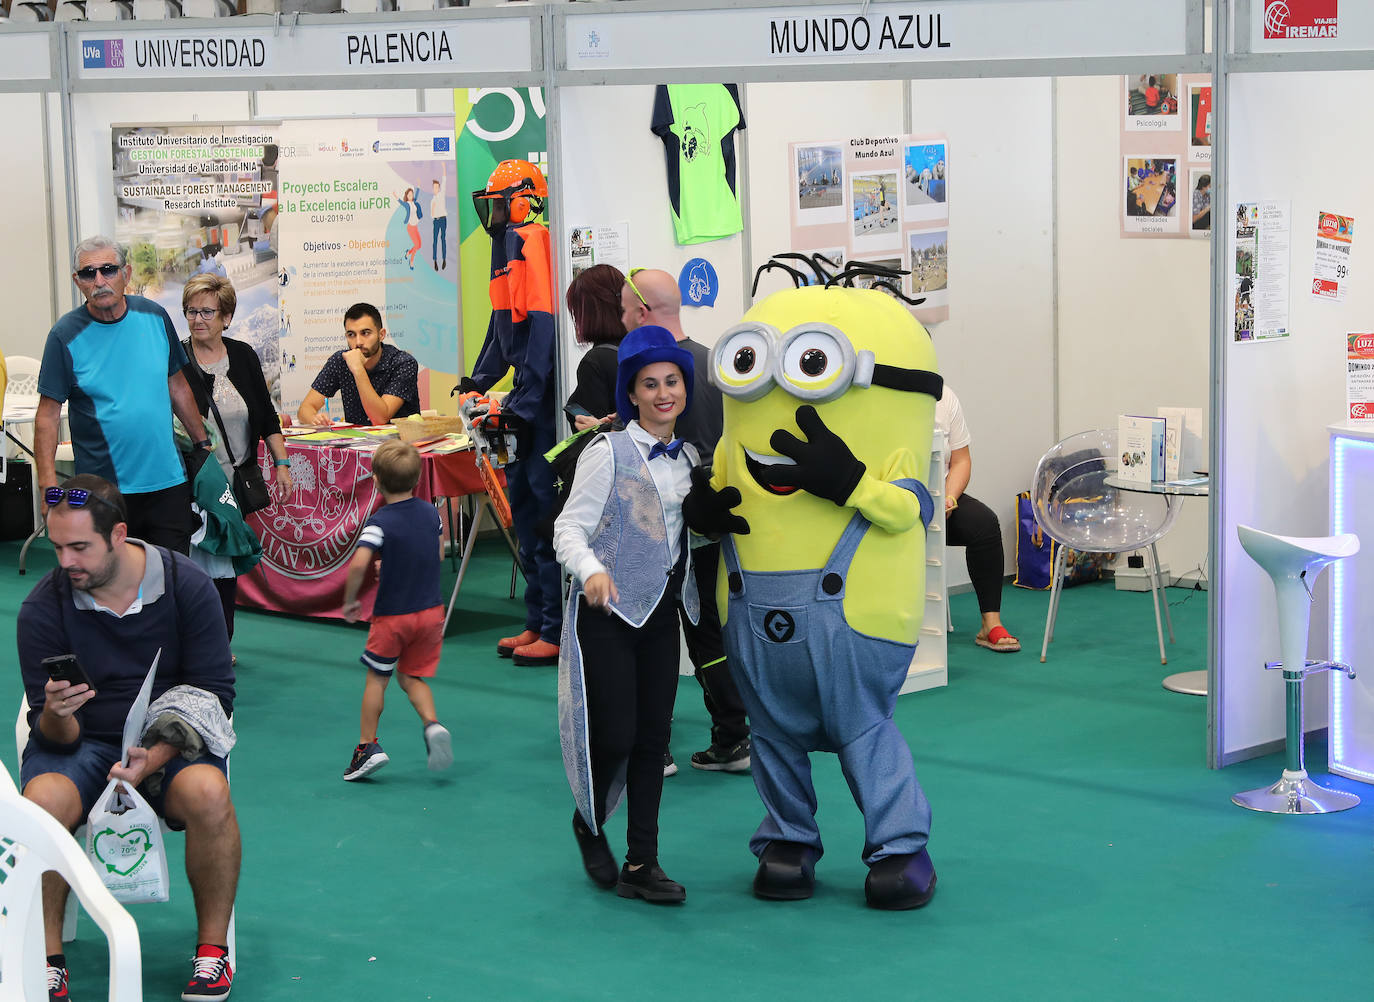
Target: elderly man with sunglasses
114,604
116,361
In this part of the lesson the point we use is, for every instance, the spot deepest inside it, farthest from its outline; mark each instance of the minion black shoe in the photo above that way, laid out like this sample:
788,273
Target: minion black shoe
898,882
787,872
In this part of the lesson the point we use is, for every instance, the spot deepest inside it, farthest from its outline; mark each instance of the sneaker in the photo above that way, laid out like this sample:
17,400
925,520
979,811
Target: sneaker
367,759
669,766
211,977
723,758
439,743
57,984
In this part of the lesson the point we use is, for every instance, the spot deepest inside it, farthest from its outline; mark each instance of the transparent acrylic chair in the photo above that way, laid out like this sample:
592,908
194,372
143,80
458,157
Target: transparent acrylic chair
1077,508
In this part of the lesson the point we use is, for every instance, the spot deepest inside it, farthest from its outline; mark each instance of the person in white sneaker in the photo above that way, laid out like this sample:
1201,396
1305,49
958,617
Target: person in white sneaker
407,631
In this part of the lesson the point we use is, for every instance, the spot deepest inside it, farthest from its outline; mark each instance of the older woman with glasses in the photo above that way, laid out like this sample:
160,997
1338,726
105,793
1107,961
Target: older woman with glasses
231,377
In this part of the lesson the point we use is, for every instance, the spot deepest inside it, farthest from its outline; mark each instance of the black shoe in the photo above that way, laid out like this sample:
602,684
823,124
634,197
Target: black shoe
650,883
367,759
898,882
723,758
787,872
596,854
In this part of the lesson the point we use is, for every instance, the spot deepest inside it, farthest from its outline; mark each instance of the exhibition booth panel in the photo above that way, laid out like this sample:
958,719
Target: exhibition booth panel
1292,450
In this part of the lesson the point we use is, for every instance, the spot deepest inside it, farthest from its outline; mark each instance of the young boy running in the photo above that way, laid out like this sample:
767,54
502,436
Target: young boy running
408,616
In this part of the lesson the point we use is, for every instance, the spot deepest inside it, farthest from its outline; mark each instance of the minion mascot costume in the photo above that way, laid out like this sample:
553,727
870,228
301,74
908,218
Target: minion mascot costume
521,336
818,488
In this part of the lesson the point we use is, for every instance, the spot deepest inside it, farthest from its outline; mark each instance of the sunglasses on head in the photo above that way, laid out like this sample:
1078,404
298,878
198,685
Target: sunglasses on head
76,498
88,273
630,281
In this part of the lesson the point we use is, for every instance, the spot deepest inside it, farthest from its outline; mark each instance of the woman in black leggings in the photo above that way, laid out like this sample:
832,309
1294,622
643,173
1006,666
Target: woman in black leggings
971,524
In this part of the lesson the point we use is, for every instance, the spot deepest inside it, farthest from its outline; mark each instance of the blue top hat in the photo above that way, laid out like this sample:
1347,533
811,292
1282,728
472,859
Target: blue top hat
645,346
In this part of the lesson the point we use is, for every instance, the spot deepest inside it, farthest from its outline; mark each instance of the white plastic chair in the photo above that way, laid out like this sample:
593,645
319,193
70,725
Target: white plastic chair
1076,508
21,390
21,739
32,842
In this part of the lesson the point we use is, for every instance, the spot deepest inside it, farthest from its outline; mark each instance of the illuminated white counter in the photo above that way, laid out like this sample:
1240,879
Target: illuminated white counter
1351,735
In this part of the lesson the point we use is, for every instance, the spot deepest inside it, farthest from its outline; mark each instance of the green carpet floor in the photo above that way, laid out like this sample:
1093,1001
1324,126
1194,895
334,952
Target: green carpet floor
1084,849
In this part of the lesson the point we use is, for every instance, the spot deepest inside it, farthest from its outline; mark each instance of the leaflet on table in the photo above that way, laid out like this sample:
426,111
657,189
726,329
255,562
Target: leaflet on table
1331,263
1141,441
1359,376
1185,450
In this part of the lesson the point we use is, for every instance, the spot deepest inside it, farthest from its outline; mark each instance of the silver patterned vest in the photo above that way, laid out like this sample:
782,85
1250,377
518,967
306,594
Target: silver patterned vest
632,523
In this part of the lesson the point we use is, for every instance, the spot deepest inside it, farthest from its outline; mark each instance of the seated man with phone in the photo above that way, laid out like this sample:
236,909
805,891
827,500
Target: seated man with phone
87,634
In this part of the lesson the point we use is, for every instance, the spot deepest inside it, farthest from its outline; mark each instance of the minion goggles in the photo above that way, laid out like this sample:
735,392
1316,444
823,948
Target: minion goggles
813,361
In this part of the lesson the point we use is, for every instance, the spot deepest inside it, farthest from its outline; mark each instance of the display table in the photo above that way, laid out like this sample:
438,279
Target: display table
308,538
1191,683
1350,745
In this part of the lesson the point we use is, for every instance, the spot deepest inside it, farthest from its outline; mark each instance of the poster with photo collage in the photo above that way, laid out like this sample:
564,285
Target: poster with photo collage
882,200
1165,172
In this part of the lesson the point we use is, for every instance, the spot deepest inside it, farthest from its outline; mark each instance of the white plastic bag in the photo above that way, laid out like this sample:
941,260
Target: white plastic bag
124,842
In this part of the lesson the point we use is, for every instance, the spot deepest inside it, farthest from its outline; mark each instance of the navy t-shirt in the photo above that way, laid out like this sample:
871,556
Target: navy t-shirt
406,537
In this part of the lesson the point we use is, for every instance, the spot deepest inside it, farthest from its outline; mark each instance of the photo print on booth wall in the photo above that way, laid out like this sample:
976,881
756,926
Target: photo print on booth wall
1152,102
876,224
927,258
1150,194
926,169
1200,123
819,173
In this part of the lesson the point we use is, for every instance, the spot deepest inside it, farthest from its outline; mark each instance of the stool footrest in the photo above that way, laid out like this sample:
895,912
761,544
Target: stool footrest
1312,667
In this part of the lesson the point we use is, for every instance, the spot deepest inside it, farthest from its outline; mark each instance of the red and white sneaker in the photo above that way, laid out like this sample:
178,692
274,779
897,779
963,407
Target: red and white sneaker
57,984
212,976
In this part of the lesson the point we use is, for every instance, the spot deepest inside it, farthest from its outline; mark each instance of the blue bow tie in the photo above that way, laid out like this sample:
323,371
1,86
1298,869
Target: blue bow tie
671,450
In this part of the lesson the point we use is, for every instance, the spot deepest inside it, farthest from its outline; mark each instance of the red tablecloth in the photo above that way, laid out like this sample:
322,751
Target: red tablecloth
307,540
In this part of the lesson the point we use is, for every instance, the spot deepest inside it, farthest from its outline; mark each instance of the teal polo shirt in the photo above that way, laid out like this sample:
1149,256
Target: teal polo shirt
113,377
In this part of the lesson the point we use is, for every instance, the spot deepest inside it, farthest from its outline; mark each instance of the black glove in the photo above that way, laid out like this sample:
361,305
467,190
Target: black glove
465,385
825,465
707,510
195,459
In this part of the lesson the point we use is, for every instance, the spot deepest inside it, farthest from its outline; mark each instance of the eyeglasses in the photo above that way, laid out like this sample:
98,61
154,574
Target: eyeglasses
194,314
88,273
814,362
76,497
630,281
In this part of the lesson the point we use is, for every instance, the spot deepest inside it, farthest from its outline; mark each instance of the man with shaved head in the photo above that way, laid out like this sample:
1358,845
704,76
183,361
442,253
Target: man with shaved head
650,296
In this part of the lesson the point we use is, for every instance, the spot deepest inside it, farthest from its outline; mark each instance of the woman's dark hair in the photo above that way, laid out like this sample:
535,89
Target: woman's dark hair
594,301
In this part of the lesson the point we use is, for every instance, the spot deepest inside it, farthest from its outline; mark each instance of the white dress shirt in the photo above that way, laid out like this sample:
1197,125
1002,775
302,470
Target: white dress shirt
595,476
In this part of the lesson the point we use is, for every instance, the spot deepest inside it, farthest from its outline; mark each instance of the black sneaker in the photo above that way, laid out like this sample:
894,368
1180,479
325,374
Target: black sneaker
439,745
723,758
367,759
669,766
211,978
57,984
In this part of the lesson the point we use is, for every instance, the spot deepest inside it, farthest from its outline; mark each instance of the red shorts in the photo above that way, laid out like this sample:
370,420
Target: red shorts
411,642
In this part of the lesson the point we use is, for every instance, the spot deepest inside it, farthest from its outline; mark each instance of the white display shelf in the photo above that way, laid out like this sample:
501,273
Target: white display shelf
930,665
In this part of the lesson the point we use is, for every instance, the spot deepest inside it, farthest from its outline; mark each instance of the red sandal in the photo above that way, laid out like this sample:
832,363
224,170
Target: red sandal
999,639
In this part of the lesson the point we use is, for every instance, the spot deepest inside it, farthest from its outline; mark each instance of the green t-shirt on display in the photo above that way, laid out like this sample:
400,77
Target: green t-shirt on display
697,124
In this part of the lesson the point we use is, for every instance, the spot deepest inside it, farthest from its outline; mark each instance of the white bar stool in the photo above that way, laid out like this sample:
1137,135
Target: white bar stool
1293,563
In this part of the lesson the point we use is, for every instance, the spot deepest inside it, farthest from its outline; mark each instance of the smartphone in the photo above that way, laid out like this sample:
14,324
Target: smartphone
65,668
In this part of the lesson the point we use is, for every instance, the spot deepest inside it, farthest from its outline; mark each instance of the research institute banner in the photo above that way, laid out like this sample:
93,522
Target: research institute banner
202,198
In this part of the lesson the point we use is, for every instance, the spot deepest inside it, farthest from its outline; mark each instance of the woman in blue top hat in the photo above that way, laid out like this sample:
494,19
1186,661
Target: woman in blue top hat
621,535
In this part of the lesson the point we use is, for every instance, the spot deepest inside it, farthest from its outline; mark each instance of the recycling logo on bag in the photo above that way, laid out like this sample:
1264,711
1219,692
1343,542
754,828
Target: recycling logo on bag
123,853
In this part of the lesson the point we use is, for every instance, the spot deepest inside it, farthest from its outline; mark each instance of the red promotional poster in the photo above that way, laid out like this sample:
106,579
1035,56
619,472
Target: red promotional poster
1300,19
1359,376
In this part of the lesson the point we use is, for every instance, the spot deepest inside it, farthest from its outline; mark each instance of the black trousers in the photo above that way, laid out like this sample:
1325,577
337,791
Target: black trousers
631,679
974,525
163,517
228,589
706,651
